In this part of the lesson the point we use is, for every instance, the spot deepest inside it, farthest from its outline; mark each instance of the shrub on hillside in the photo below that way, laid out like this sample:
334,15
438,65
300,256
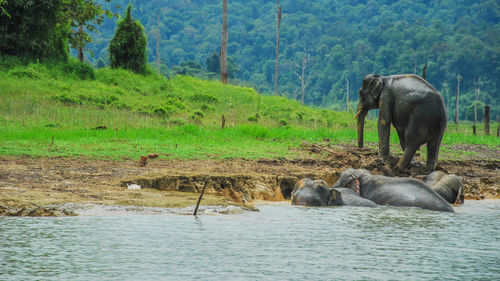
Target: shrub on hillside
127,49
25,72
81,70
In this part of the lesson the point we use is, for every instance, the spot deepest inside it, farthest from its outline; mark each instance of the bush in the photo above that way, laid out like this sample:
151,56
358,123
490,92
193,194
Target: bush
203,98
178,121
253,118
9,62
81,70
198,113
127,49
25,72
64,98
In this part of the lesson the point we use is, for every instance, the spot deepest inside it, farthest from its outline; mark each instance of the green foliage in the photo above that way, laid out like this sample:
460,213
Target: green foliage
213,63
253,118
84,16
81,70
147,114
33,30
199,113
25,72
127,49
345,39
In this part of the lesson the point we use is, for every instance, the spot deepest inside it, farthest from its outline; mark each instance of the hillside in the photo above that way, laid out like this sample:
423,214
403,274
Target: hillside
345,39
70,102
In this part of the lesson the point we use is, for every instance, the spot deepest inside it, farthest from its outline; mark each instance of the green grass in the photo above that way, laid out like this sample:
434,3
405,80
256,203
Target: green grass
52,110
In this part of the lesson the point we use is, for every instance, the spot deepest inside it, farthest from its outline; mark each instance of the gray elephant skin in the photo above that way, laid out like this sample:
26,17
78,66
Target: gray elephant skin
308,192
450,187
394,191
413,106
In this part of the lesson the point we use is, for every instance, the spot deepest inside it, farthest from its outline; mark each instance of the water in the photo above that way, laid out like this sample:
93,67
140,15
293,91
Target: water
280,242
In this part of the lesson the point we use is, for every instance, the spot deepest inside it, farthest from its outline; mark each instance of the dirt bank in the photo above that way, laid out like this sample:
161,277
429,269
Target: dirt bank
34,186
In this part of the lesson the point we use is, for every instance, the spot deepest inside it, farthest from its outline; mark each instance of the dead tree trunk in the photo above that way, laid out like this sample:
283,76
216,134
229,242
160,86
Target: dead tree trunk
456,100
158,44
347,95
302,76
476,86
278,22
487,120
498,128
224,77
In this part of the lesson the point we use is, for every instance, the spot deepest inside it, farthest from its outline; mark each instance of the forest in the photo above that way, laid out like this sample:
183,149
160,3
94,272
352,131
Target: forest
342,41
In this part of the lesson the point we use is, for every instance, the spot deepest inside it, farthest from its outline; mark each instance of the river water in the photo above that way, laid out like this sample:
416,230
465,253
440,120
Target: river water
280,242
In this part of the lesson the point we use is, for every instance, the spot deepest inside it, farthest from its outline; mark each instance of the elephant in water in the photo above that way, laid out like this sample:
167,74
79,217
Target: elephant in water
395,191
450,187
413,106
308,192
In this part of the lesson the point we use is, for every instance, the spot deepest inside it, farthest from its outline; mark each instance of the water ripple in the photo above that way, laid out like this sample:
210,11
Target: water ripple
280,242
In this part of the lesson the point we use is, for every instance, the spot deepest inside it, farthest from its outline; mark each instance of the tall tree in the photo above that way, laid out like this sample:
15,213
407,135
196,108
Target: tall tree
477,88
348,107
83,16
33,30
278,24
223,48
302,76
158,43
459,78
127,49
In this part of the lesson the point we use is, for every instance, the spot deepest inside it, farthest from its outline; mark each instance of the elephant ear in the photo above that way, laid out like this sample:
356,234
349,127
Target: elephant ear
375,84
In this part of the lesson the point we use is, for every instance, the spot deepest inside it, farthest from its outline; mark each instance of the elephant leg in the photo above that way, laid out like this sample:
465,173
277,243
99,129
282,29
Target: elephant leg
401,135
414,138
432,152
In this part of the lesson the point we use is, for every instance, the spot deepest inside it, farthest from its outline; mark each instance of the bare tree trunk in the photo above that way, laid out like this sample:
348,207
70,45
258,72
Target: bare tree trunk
347,95
277,49
447,92
302,82
456,100
80,46
158,44
302,77
476,86
487,120
224,77
498,128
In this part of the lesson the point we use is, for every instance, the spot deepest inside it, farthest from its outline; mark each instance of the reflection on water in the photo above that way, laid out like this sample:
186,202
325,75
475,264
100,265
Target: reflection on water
280,242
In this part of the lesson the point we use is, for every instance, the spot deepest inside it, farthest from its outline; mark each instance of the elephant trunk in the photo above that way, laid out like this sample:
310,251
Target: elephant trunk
361,115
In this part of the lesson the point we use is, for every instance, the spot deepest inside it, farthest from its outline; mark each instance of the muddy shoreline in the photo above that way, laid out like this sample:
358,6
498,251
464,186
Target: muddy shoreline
37,186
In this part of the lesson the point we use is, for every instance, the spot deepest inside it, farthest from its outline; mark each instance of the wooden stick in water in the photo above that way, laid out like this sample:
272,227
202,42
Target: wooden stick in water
199,199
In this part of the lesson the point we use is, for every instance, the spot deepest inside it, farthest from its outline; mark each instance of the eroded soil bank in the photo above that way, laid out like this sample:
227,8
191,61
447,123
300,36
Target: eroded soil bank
35,187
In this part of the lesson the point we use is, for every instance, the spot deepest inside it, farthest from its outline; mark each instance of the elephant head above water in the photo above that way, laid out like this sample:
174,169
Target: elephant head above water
413,106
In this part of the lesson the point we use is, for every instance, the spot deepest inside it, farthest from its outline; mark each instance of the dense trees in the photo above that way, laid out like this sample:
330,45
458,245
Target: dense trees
33,30
345,41
127,49
41,29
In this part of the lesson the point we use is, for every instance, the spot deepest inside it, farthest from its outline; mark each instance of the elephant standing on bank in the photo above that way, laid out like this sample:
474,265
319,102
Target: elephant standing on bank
413,106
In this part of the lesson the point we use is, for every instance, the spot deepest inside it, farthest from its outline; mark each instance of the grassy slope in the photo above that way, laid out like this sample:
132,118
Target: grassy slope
46,111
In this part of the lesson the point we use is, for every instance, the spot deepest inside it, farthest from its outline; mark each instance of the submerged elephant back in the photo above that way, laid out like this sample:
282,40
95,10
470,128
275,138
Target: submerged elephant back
406,192
351,198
